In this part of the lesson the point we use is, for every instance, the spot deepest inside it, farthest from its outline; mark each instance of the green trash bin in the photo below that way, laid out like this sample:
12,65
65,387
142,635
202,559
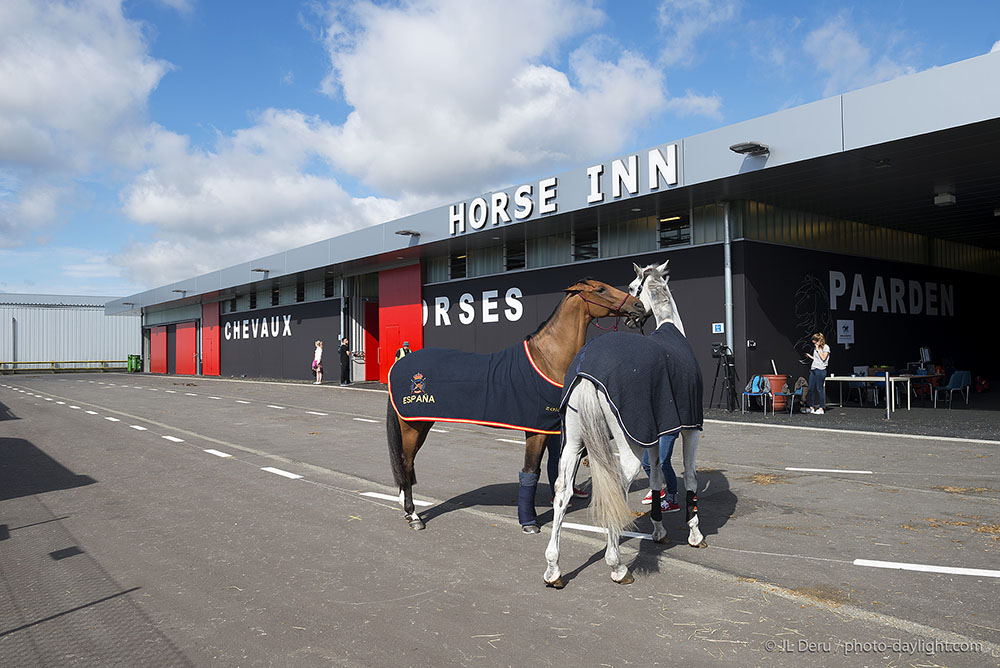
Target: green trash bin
134,363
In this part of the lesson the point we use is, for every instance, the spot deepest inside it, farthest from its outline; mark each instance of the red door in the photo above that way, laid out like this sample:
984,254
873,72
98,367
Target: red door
400,306
373,354
158,349
187,348
210,339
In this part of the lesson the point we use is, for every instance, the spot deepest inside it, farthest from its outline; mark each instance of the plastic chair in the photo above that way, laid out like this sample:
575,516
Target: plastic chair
759,386
859,387
960,381
791,394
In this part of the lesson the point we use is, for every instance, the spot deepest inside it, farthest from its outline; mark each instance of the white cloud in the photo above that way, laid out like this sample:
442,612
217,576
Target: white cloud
996,46
693,104
683,22
847,62
451,97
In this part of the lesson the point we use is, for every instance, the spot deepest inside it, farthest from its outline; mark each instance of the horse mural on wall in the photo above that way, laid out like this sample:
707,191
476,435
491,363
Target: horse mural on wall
517,388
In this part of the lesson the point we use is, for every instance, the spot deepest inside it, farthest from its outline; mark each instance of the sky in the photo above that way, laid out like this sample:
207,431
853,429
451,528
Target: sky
148,141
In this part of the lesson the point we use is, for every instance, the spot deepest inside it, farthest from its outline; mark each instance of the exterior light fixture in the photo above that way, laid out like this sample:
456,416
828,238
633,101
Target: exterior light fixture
750,148
263,271
408,233
128,303
636,210
183,292
944,199
671,218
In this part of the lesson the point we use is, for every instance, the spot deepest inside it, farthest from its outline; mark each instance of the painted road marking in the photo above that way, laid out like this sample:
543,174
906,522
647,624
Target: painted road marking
510,440
363,420
171,391
316,413
174,439
190,394
390,497
217,453
602,530
792,468
91,412
47,399
76,408
112,419
240,401
138,427
213,397
280,408
982,572
271,469
61,403
440,431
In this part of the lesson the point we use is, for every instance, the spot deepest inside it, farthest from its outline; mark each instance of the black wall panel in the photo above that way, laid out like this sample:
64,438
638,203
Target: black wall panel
285,350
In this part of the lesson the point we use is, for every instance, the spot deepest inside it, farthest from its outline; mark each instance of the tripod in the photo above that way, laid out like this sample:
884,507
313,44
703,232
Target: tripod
727,366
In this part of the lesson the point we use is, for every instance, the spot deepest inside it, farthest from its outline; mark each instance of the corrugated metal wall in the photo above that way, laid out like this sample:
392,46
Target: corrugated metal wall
30,333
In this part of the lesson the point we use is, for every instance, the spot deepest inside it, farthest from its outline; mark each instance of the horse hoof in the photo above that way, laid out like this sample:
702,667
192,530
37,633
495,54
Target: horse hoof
417,525
530,528
664,540
627,580
556,584
700,545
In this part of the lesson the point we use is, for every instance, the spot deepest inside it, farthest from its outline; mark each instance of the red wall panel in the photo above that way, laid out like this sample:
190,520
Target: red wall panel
187,348
210,339
401,315
158,349
373,353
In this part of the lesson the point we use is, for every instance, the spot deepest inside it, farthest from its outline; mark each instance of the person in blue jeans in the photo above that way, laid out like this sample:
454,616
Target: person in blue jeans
820,357
668,497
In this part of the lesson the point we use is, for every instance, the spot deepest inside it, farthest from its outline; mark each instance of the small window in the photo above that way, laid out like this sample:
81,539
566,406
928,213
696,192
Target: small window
584,245
457,266
275,294
675,230
514,255
232,305
300,288
253,298
329,285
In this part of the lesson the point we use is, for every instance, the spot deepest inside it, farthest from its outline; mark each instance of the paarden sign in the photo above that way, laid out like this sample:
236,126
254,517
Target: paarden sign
623,177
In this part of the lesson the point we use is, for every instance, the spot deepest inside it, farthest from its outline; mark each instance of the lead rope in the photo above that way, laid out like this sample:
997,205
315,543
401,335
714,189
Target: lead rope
617,308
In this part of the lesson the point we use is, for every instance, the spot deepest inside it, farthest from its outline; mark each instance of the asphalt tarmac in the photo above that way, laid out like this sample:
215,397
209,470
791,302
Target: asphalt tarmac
171,521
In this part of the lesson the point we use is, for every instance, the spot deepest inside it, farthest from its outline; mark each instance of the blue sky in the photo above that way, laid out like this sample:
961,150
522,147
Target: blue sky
146,141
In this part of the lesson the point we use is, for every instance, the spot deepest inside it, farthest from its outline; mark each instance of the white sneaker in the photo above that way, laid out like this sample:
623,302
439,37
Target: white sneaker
316,383
807,409
818,411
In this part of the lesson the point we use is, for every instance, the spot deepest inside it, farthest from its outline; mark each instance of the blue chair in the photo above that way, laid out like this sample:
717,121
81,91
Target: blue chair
960,381
759,387
790,395
859,387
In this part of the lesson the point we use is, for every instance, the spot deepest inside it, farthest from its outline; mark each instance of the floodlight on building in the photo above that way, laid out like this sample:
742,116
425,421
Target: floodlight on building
263,271
944,199
750,148
183,292
408,233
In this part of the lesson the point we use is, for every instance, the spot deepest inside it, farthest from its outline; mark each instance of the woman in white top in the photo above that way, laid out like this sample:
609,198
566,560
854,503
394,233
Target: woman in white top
318,362
817,374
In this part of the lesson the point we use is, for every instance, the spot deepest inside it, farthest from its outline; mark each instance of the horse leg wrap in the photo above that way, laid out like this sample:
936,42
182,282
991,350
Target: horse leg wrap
526,498
691,508
655,511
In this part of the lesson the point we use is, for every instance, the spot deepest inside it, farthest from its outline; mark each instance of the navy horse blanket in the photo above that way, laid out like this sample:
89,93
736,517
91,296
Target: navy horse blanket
503,389
653,383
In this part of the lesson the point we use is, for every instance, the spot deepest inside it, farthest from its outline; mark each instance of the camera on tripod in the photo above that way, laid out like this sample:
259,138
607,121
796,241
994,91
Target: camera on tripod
730,379
719,349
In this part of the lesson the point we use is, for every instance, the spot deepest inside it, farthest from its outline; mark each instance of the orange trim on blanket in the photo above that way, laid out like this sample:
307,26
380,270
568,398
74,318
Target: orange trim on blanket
539,371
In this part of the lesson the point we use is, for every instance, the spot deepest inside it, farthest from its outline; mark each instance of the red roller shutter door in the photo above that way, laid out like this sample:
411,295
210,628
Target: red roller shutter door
187,348
210,339
401,315
158,349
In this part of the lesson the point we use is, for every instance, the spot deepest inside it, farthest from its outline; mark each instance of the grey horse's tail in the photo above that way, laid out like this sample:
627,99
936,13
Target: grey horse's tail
395,438
608,506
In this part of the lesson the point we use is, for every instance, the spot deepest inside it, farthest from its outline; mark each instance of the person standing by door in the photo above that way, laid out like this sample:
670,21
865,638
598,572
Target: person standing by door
404,351
318,363
345,362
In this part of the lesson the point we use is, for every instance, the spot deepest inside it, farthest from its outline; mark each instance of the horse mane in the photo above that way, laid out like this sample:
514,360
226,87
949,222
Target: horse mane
562,301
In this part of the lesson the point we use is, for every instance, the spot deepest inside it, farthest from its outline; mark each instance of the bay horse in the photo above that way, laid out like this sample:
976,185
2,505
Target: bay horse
517,388
665,381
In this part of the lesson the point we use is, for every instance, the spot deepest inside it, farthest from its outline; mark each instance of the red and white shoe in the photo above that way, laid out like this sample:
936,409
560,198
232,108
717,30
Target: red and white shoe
669,506
648,499
580,493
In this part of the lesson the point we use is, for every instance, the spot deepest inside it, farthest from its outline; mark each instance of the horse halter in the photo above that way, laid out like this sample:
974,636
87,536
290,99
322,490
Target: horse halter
617,308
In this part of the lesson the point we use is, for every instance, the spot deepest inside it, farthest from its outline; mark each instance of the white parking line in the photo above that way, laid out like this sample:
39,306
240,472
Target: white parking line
112,419
363,420
280,408
75,408
91,412
510,440
389,497
190,394
592,529
981,572
213,397
271,469
47,399
173,439
217,453
240,401
170,391
792,468
61,403
316,413
138,427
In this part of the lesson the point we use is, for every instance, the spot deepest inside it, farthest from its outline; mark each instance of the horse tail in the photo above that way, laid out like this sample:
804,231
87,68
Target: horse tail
395,438
608,505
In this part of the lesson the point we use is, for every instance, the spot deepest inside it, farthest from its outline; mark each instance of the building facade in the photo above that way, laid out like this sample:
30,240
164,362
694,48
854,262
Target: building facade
871,216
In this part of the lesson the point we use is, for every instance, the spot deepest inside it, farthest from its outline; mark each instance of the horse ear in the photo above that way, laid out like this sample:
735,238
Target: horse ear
663,269
638,270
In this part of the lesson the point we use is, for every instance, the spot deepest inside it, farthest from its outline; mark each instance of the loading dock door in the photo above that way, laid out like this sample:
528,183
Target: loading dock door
187,348
210,339
158,349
